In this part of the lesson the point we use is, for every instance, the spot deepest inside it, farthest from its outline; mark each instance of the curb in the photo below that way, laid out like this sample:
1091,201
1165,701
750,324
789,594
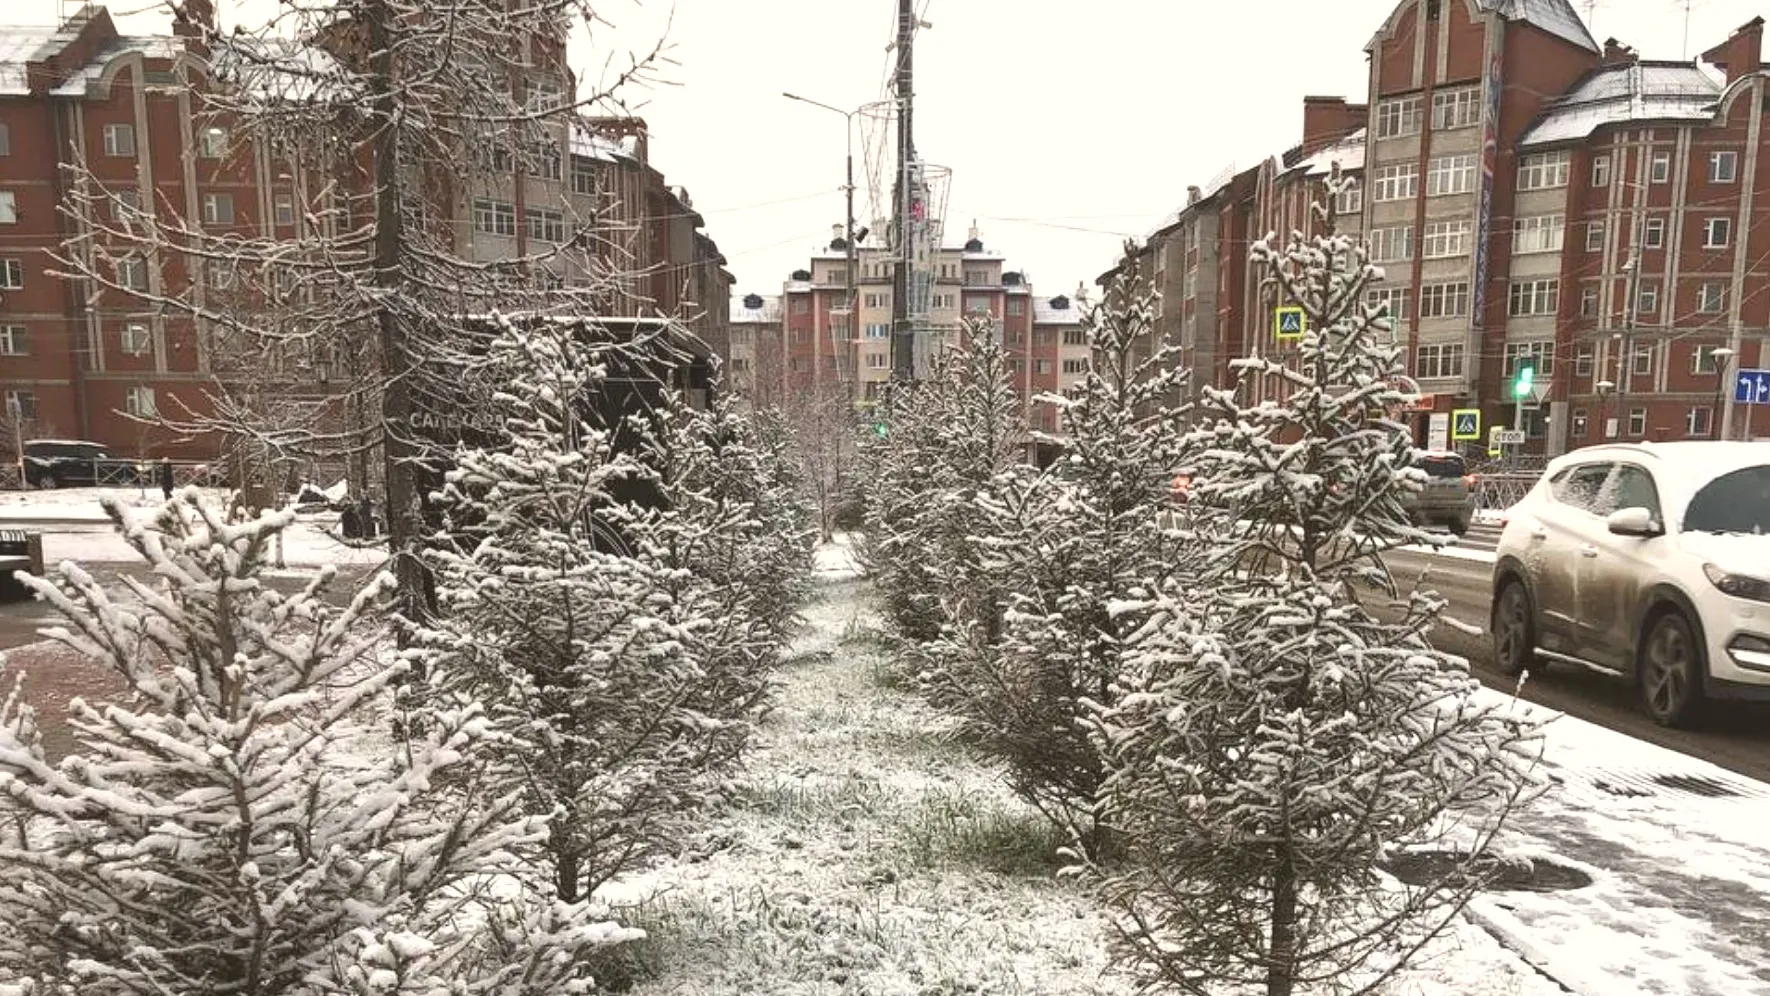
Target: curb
1514,936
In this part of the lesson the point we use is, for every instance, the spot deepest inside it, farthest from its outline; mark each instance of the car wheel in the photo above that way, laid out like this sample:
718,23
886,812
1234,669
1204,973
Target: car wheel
47,481
1514,630
1459,526
1669,671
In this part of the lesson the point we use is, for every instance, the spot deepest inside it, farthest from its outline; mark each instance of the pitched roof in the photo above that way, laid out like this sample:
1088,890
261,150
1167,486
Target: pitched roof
19,46
1557,17
1639,91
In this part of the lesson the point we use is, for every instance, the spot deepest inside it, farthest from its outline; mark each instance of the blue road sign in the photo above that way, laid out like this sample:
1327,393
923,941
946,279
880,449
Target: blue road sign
1465,423
1752,387
1287,322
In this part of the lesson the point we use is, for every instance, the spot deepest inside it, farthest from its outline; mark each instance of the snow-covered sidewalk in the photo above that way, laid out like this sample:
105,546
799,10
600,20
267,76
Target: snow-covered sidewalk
868,855
1680,854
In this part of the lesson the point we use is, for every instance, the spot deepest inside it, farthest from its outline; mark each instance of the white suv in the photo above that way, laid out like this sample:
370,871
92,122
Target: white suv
1649,561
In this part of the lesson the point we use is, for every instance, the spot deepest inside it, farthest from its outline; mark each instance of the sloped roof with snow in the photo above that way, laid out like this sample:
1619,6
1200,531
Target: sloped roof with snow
1045,314
18,47
1557,17
1348,152
149,46
1643,91
1207,192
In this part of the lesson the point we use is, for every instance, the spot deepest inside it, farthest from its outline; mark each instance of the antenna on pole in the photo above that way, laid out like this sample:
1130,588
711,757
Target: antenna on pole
1687,4
1591,16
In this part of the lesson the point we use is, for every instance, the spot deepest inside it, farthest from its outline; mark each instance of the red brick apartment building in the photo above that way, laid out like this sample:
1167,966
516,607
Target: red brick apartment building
799,342
1537,199
77,362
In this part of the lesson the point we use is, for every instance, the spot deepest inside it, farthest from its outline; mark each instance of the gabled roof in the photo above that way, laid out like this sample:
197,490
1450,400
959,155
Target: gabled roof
1348,152
1044,313
1557,17
1637,91
18,47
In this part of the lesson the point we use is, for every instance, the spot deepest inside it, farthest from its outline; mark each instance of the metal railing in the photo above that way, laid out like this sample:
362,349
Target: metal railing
1502,490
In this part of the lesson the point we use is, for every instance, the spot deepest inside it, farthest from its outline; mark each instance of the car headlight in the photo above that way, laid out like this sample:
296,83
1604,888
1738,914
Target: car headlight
1738,585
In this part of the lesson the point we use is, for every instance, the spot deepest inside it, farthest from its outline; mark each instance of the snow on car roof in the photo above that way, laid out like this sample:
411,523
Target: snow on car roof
1708,457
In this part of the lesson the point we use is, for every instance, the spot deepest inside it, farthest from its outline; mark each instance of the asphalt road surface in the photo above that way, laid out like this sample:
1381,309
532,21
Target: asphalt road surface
1734,736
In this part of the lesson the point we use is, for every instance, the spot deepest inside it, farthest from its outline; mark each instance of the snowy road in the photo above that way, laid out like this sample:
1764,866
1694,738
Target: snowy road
1735,737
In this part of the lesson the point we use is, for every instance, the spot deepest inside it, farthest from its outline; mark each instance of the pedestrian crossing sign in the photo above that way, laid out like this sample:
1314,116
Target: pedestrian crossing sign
1465,423
1287,322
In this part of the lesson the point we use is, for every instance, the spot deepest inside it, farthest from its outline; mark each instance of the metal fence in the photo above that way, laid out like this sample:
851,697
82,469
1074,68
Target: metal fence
1503,489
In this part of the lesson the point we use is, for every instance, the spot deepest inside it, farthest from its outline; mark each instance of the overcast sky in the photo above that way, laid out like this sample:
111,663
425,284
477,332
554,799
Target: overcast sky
1066,125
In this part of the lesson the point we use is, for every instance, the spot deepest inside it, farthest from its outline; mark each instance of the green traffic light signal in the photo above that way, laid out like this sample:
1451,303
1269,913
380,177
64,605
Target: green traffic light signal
1521,386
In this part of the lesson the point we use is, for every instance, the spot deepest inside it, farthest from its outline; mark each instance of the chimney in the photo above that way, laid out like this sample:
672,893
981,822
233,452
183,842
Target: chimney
1193,196
1742,53
1618,54
1326,120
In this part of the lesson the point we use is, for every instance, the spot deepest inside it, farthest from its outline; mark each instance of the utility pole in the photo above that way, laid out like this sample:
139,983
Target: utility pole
1625,373
852,357
903,337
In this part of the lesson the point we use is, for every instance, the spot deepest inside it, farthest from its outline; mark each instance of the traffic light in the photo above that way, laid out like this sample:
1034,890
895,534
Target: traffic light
880,429
1523,380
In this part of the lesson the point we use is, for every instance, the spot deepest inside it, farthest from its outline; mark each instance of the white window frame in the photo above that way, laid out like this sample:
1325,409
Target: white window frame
214,202
1042,367
1445,239
878,361
1595,232
978,304
544,224
494,217
140,402
1391,244
1448,299
1075,337
12,274
1016,306
1702,360
1396,182
1350,199
8,207
1699,422
5,139
1075,365
1588,301
1647,300
1539,233
16,406
219,274
1637,421
1438,360
1540,353
1449,175
1711,297
1395,297
1653,235
583,177
1580,423
1585,359
1641,365
1717,233
283,208
1728,159
132,273
1659,167
1399,117
1532,298
1459,108
212,142
14,341
119,140
1543,170
878,330
136,339
1601,171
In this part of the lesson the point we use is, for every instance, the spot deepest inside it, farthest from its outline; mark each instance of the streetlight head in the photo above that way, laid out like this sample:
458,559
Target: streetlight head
1604,385
1722,353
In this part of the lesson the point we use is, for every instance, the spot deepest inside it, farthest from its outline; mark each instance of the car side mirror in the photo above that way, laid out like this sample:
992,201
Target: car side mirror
1636,521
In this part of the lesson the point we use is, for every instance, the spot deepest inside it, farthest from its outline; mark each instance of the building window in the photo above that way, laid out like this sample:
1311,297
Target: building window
800,306
1350,199
1393,298
877,361
1642,365
1389,245
13,341
136,339
1041,366
1542,171
5,139
1661,169
8,208
1189,285
1075,366
1711,297
1541,233
1075,337
1450,300
12,274
876,301
944,302
1395,183
1723,167
218,209
545,225
1450,175
545,162
878,330
1716,232
21,405
977,304
1648,301
125,203
212,142
1600,171
132,273
1445,239
1439,360
494,217
1702,360
1539,356
139,401
1588,302
583,177
1584,357
1594,236
119,140
1456,108
221,274
1581,423
1398,116
1535,297
1637,421
1654,237
977,278
1017,306
1697,421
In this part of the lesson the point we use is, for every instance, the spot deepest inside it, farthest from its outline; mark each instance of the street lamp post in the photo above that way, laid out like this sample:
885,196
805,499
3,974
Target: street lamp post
851,253
1723,358
1605,387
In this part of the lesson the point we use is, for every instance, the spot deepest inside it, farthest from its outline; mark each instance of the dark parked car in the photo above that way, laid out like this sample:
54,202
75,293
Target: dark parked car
1448,499
60,463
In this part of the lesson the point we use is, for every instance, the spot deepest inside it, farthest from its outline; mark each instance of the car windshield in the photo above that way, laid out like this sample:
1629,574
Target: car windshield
1439,465
1736,502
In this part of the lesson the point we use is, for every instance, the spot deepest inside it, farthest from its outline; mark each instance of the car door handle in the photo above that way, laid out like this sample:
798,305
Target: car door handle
1588,550
1539,533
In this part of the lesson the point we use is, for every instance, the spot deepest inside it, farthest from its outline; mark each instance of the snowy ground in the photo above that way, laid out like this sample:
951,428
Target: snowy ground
869,856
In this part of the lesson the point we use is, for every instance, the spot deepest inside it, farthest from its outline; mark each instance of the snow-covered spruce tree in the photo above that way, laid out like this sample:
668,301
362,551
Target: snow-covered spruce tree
221,832
590,667
894,467
1061,549
734,538
1279,738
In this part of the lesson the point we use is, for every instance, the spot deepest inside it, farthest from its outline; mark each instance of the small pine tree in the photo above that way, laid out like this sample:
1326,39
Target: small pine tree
593,662
1276,739
238,825
1061,549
